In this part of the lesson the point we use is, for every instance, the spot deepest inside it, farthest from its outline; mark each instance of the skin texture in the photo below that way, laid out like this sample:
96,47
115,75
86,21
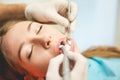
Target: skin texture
39,42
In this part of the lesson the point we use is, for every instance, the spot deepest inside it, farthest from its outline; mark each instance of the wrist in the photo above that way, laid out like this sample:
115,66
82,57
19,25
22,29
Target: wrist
12,11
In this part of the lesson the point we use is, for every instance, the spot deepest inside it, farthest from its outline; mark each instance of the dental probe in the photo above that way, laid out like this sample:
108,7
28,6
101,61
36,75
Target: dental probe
68,33
66,66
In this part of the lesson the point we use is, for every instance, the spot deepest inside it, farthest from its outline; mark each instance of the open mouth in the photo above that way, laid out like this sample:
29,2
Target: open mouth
63,42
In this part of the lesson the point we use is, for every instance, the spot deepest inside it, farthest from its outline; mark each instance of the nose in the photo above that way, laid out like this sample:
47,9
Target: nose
45,41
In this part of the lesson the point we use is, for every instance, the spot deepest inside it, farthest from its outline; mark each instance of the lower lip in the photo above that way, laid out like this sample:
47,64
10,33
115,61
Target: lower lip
71,47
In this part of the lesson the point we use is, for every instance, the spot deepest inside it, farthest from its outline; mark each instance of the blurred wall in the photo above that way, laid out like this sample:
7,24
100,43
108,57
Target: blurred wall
96,22
118,27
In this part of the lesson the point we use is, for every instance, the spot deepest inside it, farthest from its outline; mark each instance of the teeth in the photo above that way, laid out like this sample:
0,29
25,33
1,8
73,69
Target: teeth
60,46
67,47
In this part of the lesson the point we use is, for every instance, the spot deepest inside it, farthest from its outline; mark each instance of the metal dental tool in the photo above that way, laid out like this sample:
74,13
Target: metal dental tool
68,33
66,66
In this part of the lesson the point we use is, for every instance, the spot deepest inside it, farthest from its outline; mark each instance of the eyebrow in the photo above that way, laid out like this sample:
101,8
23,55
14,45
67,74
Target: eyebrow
29,26
39,29
21,45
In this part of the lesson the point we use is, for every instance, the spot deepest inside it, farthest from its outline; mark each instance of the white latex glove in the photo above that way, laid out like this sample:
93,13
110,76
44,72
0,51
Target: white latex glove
54,11
79,71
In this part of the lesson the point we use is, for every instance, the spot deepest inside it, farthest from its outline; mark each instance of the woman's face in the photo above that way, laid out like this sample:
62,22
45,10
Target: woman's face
33,45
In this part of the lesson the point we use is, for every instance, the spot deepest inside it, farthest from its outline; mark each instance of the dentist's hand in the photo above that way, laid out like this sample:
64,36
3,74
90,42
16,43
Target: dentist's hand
54,11
79,71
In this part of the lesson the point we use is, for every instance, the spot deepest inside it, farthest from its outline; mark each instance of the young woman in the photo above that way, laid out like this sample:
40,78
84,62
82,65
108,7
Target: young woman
28,47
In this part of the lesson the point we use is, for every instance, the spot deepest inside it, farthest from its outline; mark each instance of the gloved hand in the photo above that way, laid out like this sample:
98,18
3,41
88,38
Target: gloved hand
79,71
54,11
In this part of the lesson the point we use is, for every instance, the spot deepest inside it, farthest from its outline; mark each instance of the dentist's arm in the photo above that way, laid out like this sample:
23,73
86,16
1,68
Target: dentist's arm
11,11
54,11
79,71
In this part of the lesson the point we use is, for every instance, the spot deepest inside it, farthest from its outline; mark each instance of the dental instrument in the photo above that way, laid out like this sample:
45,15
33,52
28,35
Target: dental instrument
66,65
68,33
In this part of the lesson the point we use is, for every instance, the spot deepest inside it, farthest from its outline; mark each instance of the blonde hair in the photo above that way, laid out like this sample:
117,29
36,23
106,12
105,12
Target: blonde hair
103,51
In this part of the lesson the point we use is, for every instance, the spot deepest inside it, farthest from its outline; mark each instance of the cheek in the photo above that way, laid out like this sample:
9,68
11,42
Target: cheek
40,60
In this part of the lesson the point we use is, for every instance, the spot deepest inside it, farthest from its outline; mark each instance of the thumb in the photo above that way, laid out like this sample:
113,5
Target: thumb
73,26
74,11
53,68
55,63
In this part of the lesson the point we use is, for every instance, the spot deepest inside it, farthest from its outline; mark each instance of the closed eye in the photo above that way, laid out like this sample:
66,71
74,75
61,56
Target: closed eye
39,29
30,54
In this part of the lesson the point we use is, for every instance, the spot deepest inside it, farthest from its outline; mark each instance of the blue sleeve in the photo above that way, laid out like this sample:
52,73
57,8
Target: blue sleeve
103,68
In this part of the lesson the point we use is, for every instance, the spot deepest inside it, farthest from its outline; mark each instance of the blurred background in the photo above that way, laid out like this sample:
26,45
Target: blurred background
98,22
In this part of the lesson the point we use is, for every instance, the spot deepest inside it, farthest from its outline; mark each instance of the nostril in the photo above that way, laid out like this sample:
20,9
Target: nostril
47,44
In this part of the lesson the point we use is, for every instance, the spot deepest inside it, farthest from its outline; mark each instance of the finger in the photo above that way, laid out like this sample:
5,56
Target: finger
75,56
57,18
80,62
74,11
53,68
55,62
73,26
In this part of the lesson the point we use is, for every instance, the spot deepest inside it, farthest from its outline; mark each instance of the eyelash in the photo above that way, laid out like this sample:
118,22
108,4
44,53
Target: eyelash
29,56
39,29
